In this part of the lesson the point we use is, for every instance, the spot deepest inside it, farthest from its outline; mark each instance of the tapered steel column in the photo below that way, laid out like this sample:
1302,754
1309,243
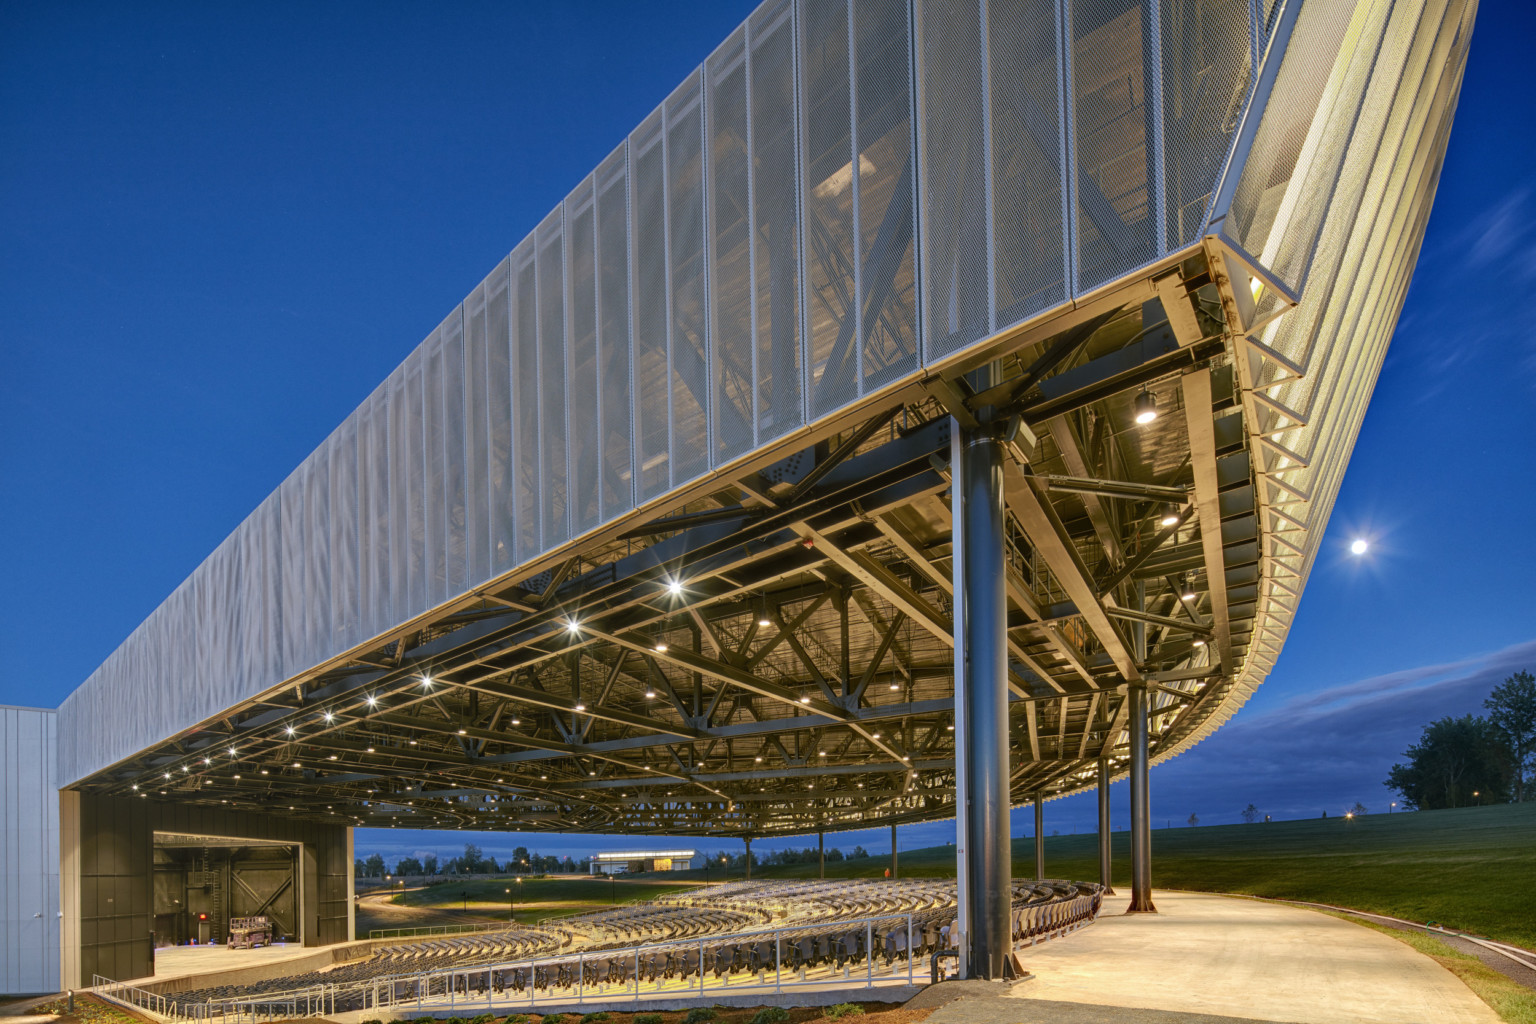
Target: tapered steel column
895,868
1039,835
749,857
821,852
1104,833
1141,805
981,700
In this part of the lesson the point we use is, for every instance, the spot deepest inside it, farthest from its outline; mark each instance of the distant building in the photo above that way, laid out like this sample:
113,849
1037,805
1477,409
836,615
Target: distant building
654,860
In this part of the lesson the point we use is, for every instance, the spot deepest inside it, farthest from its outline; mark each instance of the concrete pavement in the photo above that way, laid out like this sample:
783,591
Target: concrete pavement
1226,958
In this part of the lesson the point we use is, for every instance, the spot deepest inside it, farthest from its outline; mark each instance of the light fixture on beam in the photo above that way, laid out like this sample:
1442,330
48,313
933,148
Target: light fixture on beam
1170,515
1145,408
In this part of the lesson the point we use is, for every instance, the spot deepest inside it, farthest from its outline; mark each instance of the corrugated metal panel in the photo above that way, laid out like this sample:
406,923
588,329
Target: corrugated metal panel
29,852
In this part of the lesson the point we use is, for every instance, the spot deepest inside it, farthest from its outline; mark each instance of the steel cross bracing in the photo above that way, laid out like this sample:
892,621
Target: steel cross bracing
775,654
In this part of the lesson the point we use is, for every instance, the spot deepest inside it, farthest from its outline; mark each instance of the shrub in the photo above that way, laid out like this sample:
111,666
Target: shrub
771,1015
698,1015
553,1018
373,1022
481,1018
593,1018
647,1018
516,1018
845,1010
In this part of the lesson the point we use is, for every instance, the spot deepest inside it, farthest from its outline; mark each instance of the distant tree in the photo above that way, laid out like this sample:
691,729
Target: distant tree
834,854
472,859
1250,814
429,864
408,866
1453,758
375,865
859,853
1193,820
1512,709
520,857
359,869
1359,810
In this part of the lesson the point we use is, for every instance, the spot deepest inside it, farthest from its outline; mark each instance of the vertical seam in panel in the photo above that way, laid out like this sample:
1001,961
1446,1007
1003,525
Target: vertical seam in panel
1068,147
706,328
597,341
807,356
1157,180
666,248
538,400
749,36
919,118
858,224
986,161
629,322
568,297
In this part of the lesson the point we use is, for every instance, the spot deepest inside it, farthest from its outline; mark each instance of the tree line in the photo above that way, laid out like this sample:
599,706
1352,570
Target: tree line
472,862
1474,759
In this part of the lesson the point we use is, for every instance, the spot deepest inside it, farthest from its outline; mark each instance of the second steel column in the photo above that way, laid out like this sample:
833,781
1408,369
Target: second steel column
1141,805
983,684
1104,833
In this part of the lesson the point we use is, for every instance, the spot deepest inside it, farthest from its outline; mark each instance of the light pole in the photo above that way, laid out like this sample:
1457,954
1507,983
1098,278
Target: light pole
511,906
1391,806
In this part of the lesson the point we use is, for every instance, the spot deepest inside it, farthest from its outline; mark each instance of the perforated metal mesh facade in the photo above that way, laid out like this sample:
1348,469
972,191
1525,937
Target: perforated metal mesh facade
845,192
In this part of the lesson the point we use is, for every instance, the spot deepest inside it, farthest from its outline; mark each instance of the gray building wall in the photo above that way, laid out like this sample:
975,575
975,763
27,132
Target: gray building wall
106,875
29,852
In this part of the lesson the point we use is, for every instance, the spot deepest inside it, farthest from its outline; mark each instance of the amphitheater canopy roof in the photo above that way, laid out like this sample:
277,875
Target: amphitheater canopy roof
652,534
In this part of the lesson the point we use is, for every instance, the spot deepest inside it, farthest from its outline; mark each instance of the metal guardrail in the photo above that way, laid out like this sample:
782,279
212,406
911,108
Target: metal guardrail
565,979
437,929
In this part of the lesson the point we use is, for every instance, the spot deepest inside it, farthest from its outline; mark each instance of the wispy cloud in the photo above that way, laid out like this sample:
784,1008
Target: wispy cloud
1327,749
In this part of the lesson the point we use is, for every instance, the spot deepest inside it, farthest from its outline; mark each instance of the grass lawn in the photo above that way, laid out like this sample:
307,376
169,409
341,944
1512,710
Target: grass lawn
1472,869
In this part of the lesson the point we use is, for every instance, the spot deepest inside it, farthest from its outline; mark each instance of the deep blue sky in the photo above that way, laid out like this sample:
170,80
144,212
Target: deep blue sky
222,224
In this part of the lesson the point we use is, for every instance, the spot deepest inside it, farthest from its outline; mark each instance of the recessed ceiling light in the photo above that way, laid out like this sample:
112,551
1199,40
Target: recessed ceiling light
675,587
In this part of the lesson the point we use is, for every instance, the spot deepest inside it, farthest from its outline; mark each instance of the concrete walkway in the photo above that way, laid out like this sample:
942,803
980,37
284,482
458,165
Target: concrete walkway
1226,958
180,961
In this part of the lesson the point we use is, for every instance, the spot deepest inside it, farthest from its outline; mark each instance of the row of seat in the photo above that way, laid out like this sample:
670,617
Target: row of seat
680,936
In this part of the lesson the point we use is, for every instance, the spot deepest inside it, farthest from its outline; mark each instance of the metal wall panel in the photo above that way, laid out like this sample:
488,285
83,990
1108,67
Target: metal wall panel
342,461
885,182
526,449
648,265
477,440
455,456
498,407
688,341
953,138
1114,103
553,471
776,278
1207,64
29,852
730,249
1028,146
582,395
829,199
615,410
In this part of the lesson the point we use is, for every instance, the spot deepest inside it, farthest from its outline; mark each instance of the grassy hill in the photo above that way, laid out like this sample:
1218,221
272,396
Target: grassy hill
1473,868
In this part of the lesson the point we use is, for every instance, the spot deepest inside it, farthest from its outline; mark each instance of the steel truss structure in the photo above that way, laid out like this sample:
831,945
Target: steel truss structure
775,653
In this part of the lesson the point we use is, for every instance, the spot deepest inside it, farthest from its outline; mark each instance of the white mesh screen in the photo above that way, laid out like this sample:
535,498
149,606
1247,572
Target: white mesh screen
776,220
581,361
730,250
551,373
616,411
689,344
648,264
